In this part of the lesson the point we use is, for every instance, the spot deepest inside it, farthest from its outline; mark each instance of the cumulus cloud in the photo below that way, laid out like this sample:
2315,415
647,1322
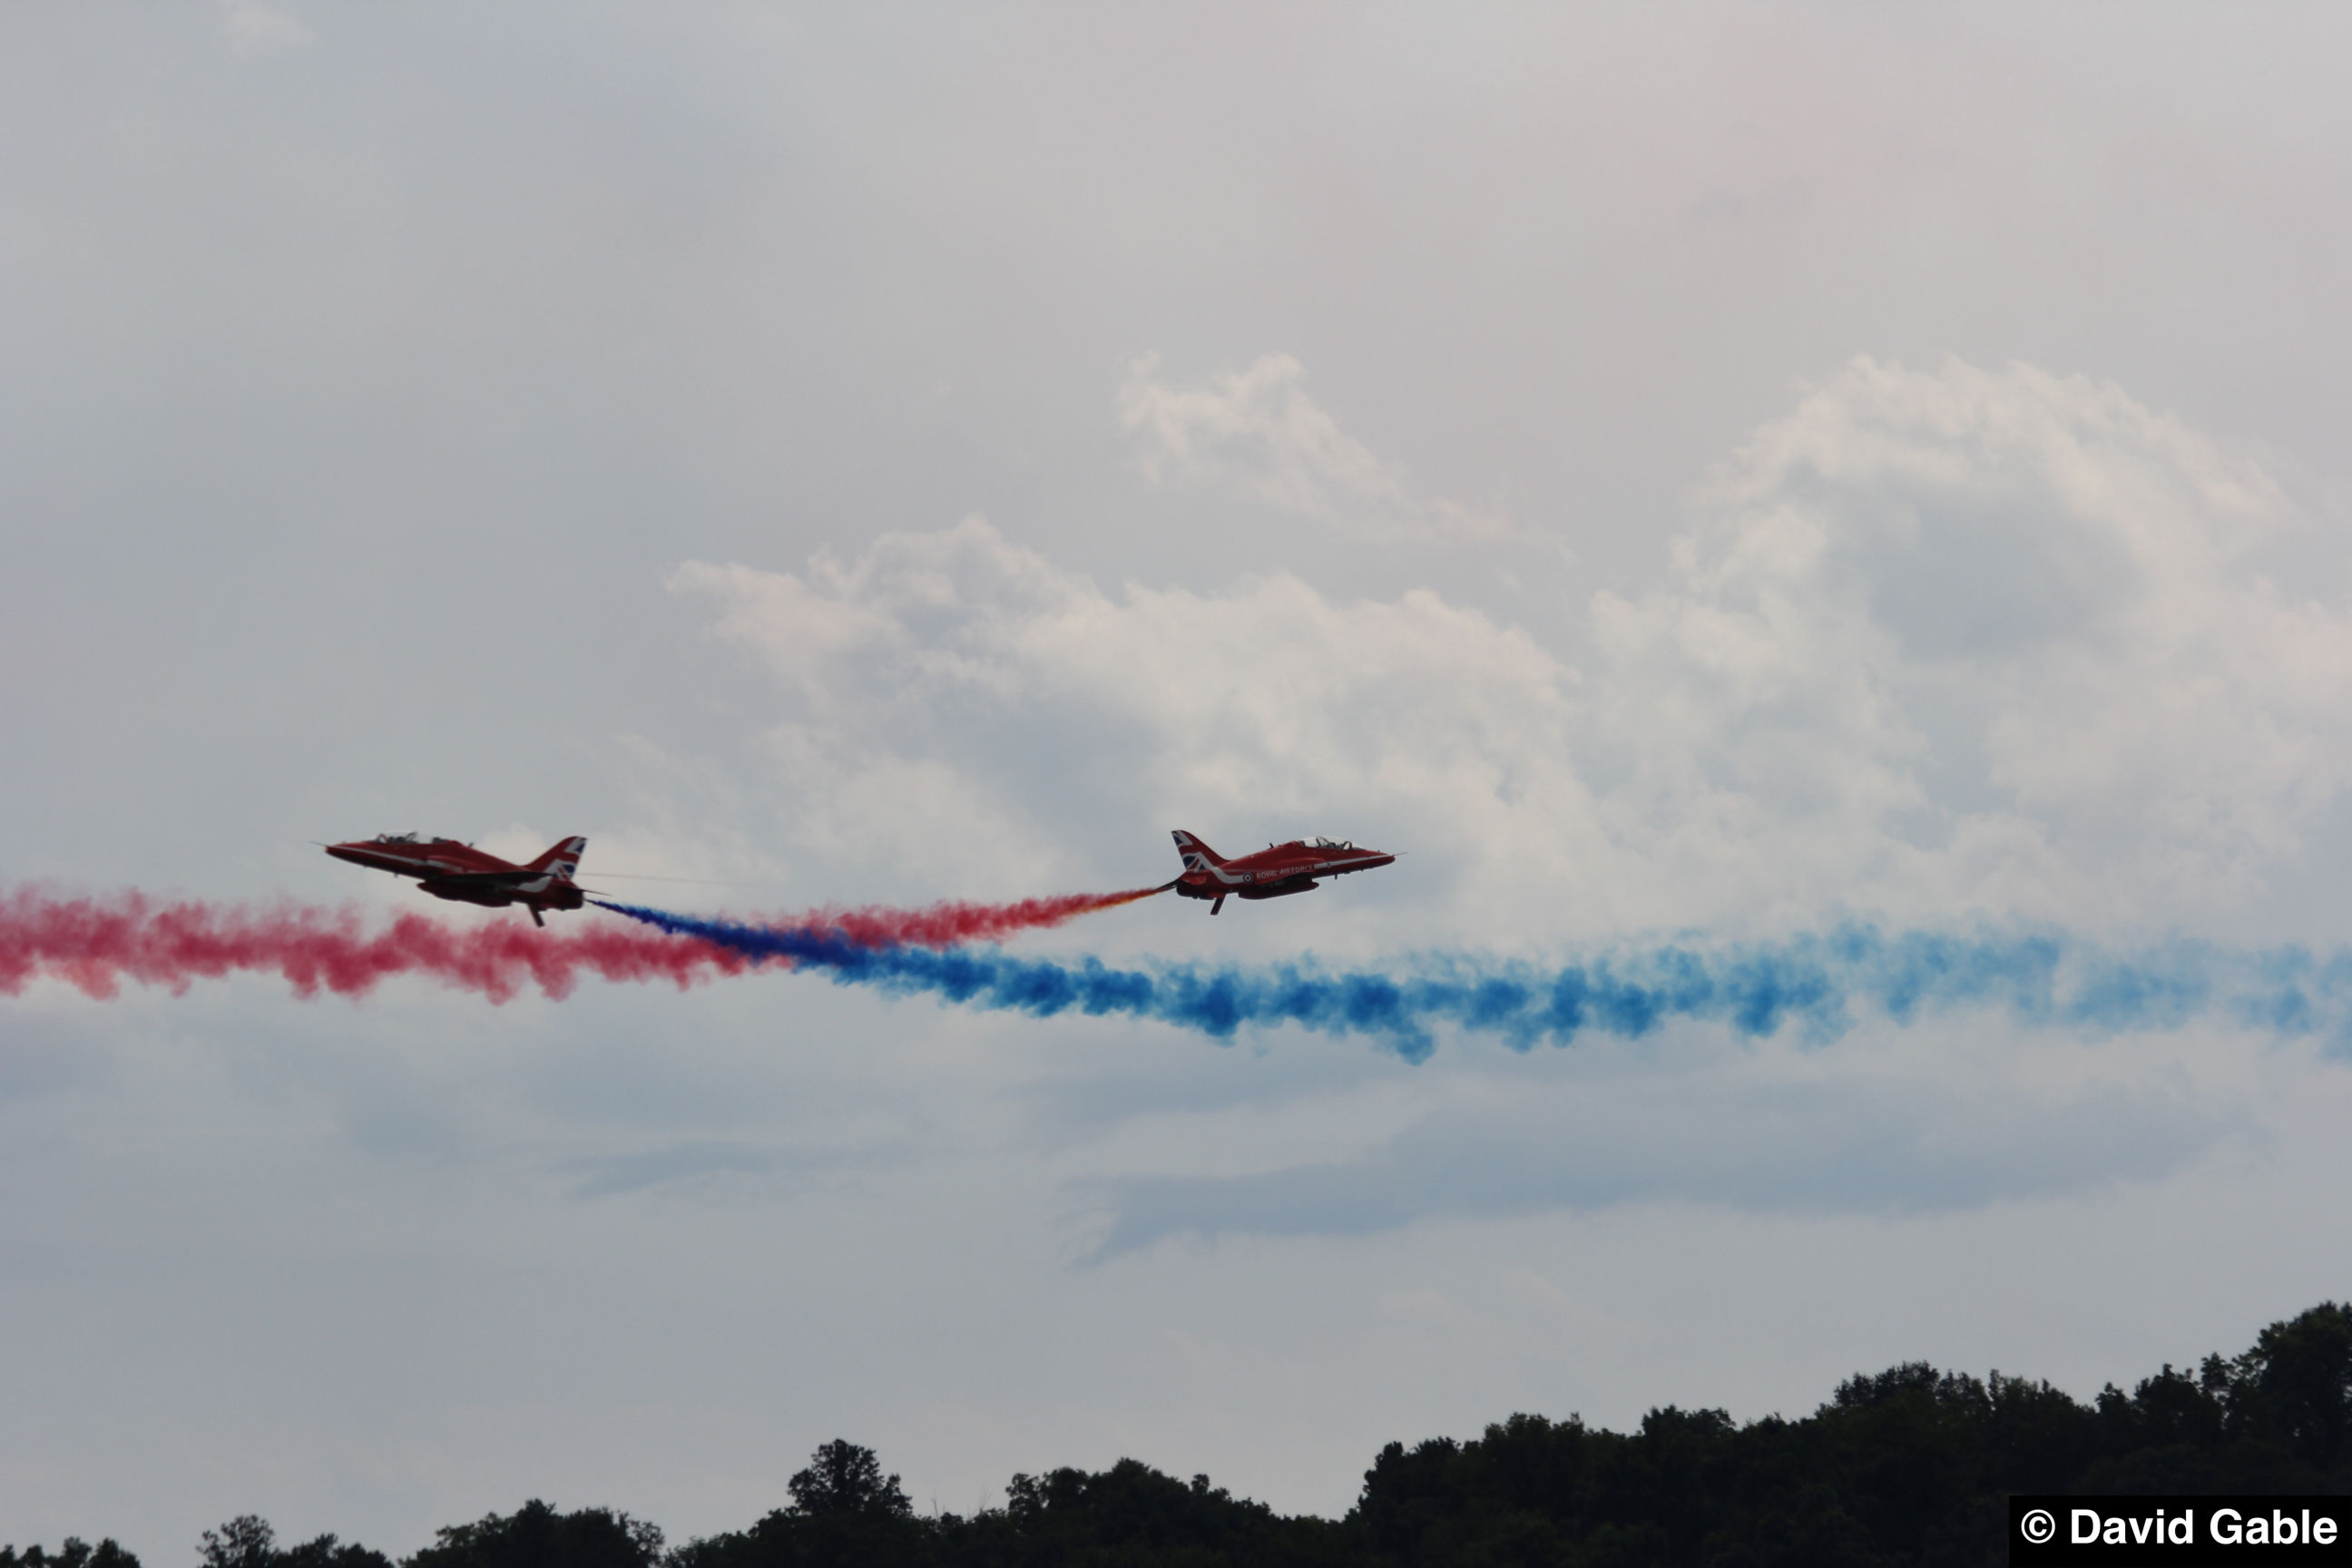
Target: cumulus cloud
2006,628
1941,641
956,691
1257,432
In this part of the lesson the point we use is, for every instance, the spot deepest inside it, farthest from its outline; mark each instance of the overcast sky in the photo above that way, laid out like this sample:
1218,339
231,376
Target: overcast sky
1707,470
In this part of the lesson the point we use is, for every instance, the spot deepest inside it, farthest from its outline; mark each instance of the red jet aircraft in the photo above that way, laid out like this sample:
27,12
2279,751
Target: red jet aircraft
1275,871
448,869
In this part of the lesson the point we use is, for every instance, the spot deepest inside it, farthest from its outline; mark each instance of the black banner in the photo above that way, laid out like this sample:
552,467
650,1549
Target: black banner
2184,1529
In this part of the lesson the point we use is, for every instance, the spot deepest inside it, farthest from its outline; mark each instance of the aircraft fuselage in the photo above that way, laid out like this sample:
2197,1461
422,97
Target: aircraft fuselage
448,869
1276,871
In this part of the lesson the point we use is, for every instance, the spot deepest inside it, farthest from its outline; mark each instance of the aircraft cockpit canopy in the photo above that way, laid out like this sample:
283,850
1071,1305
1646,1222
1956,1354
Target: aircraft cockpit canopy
1333,844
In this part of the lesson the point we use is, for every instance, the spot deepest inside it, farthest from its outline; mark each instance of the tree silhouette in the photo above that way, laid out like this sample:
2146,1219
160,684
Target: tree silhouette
1909,1468
845,1513
244,1541
247,1542
844,1479
74,1554
2295,1387
536,1536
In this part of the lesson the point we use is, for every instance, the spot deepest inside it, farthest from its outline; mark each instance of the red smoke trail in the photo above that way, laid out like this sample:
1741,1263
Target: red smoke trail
96,944
948,925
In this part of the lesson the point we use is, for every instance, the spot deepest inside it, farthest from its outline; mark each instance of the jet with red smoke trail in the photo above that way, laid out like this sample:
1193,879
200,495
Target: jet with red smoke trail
448,869
1275,871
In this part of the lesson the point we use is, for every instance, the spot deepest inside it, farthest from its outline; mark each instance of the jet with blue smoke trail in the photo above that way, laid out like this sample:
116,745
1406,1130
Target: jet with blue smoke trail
1812,982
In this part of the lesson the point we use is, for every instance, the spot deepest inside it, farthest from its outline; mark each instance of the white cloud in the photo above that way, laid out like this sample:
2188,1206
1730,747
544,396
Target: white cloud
1946,641
345,418
2019,610
1943,643
1258,432
1002,703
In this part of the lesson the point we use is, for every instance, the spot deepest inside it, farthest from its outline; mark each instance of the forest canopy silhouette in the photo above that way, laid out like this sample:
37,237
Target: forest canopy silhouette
1909,1465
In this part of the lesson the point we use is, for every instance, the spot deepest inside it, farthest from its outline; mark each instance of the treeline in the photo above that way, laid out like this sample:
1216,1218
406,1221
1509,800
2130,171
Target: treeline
1910,1466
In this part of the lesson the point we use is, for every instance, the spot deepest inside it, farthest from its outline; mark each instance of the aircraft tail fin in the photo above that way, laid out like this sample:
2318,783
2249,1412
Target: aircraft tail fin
1195,854
564,860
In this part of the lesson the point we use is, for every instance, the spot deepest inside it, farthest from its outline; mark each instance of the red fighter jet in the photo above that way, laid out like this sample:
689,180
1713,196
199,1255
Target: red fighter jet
448,869
1275,871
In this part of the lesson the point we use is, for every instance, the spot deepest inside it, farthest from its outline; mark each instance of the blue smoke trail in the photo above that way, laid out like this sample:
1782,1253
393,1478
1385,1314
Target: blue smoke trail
1810,982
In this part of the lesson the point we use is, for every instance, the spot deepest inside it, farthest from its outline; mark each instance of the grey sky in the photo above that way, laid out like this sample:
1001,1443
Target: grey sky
1700,470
